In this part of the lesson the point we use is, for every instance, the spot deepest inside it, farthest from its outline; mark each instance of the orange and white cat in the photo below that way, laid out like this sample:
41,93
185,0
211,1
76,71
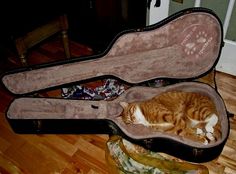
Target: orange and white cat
187,114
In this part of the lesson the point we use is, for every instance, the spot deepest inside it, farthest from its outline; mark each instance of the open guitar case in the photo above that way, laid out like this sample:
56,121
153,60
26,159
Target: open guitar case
185,46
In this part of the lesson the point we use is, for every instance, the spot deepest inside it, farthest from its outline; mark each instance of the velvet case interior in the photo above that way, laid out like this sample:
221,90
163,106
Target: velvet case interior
51,108
186,45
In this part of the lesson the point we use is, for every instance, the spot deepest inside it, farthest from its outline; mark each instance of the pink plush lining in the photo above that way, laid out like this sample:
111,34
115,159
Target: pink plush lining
45,108
183,48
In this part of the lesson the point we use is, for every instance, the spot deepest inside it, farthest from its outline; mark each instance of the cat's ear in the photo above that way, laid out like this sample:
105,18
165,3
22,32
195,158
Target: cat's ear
124,104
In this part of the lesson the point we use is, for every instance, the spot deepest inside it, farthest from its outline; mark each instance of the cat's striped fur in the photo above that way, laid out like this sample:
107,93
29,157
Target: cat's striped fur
182,113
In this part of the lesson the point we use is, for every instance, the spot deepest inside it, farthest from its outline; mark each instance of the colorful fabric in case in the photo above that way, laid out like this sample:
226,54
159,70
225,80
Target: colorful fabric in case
124,157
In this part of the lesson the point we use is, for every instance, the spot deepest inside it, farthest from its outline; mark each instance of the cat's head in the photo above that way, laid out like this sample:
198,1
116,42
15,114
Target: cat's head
128,112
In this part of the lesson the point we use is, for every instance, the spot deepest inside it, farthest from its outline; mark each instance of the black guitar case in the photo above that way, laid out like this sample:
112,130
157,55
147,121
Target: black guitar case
185,46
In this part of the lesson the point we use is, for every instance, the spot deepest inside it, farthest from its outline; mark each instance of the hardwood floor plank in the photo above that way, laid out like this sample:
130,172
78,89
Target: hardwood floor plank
227,162
53,141
85,162
215,167
91,151
11,138
8,167
229,171
4,144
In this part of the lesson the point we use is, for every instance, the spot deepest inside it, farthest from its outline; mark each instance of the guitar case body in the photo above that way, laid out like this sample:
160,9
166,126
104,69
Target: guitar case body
183,47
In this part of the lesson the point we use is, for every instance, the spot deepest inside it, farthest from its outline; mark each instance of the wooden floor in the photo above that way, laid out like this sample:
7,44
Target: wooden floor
73,154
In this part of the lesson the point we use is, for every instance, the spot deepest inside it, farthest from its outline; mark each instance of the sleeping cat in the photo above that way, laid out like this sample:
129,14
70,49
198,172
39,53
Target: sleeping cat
187,114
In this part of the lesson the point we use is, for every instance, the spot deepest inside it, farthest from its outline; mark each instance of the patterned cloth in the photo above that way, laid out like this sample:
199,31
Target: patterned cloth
124,157
105,89
99,90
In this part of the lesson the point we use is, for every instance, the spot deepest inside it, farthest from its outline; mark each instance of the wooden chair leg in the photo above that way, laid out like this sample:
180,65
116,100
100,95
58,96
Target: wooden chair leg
23,60
66,43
